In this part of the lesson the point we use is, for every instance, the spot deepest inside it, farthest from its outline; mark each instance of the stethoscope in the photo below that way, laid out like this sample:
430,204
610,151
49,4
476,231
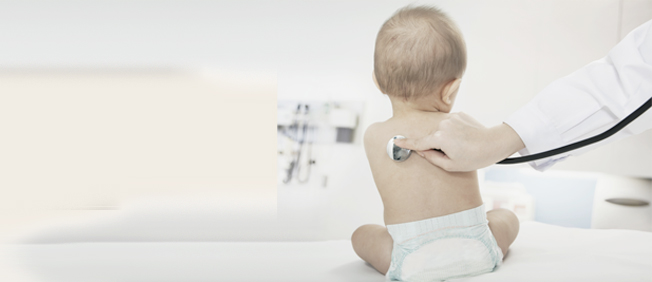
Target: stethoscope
399,154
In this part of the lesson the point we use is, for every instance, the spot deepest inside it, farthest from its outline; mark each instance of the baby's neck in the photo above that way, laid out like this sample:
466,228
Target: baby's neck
403,108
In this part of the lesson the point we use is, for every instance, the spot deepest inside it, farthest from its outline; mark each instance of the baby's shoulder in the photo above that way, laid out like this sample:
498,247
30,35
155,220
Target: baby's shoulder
372,135
372,131
375,132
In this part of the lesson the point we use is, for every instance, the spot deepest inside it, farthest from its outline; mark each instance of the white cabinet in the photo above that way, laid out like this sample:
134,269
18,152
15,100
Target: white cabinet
607,215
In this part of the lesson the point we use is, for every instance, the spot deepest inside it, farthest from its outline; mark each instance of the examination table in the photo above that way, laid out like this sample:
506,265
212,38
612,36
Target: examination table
541,252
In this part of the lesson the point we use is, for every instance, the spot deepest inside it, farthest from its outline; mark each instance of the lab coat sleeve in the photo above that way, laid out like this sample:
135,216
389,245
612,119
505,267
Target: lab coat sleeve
590,100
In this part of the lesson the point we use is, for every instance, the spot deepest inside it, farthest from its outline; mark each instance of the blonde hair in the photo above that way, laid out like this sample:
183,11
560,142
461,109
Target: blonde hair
417,50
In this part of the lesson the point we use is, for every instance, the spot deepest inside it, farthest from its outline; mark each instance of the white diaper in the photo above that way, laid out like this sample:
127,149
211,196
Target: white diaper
445,247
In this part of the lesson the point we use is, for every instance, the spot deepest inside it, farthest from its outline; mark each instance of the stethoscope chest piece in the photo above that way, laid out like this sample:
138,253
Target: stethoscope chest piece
397,153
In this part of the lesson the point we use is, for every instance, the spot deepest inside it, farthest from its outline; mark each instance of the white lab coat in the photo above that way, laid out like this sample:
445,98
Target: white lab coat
590,101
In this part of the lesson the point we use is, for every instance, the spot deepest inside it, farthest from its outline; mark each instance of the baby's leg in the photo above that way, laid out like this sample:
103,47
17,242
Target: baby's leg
504,225
374,245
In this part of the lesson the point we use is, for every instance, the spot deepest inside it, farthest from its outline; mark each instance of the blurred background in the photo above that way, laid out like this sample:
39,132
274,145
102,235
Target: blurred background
154,120
154,106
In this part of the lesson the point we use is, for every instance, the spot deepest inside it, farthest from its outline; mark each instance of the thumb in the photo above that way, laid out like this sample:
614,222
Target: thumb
437,158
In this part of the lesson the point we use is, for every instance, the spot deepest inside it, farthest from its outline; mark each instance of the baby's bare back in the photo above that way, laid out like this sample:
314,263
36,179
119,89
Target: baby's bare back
414,189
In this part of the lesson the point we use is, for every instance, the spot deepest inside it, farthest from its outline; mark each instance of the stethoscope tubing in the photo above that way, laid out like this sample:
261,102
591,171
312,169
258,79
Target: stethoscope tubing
591,140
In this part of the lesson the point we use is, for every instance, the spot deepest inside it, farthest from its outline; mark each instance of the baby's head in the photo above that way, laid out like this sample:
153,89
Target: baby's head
420,58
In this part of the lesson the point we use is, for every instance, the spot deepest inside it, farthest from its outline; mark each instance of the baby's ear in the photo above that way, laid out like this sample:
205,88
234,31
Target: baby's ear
449,91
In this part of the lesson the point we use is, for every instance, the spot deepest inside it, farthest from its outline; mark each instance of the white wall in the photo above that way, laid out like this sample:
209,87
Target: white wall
240,35
93,142
104,101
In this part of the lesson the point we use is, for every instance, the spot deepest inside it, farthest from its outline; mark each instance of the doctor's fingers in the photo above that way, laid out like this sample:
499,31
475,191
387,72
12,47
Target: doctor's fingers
432,141
438,158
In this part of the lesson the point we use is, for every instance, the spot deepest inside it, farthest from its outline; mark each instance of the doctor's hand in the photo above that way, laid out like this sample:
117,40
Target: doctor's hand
466,144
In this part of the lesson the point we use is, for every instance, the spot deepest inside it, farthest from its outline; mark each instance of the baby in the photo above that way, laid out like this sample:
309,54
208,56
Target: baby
436,225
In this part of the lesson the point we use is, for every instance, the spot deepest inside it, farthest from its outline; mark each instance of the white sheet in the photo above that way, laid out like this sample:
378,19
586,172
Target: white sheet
541,253
545,252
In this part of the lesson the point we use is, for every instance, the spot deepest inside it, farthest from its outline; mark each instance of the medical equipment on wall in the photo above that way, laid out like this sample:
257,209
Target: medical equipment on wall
400,154
345,122
299,132
309,130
